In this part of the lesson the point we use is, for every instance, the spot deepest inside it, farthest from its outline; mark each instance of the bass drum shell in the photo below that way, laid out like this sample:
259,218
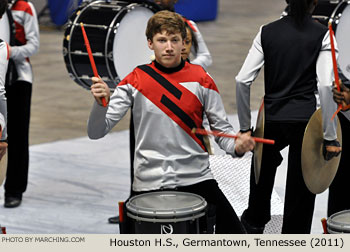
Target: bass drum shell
341,23
116,32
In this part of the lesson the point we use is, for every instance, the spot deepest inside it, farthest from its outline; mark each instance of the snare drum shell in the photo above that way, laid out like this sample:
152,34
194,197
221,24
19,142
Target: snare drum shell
183,227
339,223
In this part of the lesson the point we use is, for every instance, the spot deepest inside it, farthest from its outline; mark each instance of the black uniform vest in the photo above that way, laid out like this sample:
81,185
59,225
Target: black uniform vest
290,54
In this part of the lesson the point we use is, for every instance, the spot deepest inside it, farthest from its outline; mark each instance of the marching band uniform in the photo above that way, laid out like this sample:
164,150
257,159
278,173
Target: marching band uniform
167,154
19,94
293,58
4,58
202,57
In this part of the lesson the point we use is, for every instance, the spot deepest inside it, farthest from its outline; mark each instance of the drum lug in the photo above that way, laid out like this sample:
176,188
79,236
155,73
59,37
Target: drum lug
110,56
64,51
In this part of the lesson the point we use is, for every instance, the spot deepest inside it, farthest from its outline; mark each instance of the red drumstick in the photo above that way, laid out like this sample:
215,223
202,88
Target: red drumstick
217,133
92,61
335,67
324,225
121,211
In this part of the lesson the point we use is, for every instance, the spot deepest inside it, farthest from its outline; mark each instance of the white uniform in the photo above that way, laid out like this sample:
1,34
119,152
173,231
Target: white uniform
167,153
202,57
27,37
4,57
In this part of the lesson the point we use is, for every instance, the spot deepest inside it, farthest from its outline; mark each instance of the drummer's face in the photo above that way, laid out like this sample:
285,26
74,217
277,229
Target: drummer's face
186,50
167,48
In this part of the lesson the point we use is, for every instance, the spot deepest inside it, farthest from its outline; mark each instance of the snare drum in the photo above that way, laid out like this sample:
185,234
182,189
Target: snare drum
341,22
166,212
116,32
339,223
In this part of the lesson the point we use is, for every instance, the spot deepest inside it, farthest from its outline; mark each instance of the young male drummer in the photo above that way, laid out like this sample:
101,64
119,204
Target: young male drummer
168,99
4,58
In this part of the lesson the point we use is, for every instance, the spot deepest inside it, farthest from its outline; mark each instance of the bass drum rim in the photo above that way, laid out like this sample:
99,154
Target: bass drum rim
335,21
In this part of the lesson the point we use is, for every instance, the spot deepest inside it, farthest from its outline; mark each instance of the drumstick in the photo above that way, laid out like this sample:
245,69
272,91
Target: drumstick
217,133
335,67
121,211
92,61
324,225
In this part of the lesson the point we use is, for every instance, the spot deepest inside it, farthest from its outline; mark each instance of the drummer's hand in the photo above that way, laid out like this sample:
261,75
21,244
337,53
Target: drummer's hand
99,89
343,96
331,149
3,148
243,143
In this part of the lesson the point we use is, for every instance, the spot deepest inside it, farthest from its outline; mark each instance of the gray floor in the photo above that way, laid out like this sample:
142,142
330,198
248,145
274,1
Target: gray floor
75,183
75,186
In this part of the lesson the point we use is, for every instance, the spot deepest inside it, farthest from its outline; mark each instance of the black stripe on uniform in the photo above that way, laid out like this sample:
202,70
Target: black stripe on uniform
182,115
161,80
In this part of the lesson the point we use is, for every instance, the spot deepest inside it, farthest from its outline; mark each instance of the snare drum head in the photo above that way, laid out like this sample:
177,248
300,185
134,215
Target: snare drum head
5,28
339,222
130,47
343,40
166,204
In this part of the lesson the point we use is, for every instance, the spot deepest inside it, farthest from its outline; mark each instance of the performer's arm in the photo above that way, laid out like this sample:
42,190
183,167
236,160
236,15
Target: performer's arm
103,119
202,57
218,121
248,73
31,30
3,69
325,77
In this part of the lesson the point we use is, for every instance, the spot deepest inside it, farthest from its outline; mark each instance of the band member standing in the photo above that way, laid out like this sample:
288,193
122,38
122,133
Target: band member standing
295,51
340,185
201,56
4,58
19,94
167,154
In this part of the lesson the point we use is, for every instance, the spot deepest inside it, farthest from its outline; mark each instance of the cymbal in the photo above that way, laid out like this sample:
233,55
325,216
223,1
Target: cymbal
3,168
318,173
259,132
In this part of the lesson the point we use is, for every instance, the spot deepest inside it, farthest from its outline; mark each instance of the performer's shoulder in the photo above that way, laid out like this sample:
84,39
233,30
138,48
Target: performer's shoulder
24,6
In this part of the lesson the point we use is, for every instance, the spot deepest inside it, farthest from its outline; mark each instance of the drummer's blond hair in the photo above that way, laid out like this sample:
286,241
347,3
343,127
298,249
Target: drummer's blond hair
168,21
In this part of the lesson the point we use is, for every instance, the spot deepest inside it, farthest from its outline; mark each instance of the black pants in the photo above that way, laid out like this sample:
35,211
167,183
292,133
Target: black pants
338,198
227,221
299,201
19,95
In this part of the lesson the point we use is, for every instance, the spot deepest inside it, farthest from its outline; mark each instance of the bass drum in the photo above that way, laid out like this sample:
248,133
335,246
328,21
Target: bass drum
324,10
116,32
341,22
